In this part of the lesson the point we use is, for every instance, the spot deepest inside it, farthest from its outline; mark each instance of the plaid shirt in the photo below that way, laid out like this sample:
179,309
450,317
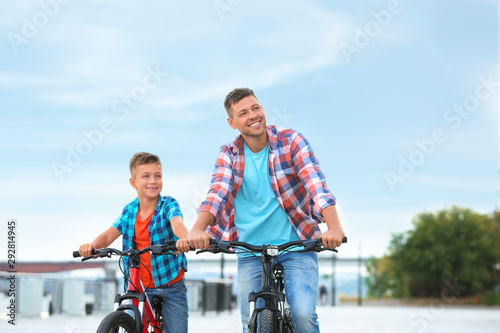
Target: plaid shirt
295,177
166,267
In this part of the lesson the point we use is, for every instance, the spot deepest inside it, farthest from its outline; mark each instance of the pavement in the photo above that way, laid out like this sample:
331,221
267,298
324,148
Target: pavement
344,318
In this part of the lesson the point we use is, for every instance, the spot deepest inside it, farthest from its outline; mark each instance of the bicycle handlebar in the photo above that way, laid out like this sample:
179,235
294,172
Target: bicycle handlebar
218,246
168,248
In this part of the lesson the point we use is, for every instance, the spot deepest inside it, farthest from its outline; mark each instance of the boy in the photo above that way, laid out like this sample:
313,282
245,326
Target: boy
152,219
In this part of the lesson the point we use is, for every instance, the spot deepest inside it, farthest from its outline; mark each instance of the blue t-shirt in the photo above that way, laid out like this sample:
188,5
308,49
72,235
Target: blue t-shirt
258,215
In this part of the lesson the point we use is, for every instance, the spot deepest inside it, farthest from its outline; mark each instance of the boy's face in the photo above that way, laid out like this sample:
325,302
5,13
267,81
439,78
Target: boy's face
147,180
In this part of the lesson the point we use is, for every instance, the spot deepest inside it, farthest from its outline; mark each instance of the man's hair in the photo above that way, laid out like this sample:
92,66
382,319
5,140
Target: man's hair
234,97
142,158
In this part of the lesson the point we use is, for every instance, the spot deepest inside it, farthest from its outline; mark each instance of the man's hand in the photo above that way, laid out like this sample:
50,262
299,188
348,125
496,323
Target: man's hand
199,239
333,238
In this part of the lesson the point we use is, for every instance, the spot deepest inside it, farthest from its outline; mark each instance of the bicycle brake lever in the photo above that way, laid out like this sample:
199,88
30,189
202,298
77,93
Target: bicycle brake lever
311,245
217,248
224,248
316,246
328,249
205,250
156,249
215,251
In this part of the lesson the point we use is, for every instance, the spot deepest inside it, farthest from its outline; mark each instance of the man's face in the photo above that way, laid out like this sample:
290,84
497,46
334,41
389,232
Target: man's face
248,117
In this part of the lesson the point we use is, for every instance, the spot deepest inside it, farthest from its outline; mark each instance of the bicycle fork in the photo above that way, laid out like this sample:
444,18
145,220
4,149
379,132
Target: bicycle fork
141,307
271,293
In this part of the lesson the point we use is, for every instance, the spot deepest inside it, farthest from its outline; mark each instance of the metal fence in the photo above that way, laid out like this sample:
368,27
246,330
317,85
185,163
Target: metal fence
39,296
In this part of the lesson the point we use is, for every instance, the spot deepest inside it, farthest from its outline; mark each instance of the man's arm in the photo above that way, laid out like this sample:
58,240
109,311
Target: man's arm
313,179
103,240
310,174
211,209
198,237
334,235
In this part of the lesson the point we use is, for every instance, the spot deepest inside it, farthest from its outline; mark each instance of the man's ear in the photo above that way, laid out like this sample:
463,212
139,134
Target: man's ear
231,123
132,183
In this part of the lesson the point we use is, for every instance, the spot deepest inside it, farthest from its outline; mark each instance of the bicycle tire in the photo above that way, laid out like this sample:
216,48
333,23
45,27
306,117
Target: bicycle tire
116,320
267,321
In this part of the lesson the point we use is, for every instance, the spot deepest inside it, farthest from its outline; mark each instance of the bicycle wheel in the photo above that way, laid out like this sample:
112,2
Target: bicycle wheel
115,322
267,321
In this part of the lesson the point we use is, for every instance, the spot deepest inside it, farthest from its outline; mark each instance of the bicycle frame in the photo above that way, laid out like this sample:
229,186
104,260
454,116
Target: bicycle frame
141,306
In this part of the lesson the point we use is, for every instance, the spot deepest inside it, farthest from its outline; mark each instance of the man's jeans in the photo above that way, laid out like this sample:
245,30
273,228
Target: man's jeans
301,288
175,307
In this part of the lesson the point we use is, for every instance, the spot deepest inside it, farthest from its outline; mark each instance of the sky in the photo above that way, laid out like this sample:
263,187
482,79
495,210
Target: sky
399,100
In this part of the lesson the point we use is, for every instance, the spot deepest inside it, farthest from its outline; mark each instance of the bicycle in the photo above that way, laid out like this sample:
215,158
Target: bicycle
147,314
274,317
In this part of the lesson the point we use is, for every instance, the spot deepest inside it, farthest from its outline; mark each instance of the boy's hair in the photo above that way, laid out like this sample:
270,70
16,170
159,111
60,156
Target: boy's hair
234,97
142,158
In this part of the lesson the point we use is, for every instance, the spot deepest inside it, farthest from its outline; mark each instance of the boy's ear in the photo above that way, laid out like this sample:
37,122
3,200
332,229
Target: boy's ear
132,183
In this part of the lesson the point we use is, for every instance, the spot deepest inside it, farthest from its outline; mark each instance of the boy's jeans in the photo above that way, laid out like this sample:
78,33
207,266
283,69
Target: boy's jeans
301,288
175,307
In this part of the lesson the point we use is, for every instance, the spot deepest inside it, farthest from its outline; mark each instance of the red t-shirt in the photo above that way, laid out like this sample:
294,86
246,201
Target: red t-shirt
141,239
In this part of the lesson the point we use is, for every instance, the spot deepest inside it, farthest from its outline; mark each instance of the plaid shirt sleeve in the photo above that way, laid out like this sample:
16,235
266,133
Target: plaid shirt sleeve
125,223
118,222
220,185
310,174
173,209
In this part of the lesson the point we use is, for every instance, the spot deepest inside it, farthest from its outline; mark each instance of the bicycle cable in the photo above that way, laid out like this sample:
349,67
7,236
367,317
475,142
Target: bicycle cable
127,276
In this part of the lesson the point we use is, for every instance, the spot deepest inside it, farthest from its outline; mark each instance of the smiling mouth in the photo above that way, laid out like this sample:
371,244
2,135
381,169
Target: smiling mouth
152,188
255,124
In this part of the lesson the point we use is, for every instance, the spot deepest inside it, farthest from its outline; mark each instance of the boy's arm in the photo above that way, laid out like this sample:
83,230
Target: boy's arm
103,240
180,230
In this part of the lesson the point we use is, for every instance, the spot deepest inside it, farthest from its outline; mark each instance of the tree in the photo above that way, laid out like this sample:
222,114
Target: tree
379,280
455,247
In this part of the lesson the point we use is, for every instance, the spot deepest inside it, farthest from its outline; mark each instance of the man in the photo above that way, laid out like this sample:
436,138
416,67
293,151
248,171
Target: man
267,188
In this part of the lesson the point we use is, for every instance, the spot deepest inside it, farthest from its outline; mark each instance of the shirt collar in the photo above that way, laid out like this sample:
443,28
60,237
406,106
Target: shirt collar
272,140
135,203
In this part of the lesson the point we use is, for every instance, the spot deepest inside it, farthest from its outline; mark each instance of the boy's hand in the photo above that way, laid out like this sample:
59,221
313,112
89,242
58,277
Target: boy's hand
86,249
182,245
